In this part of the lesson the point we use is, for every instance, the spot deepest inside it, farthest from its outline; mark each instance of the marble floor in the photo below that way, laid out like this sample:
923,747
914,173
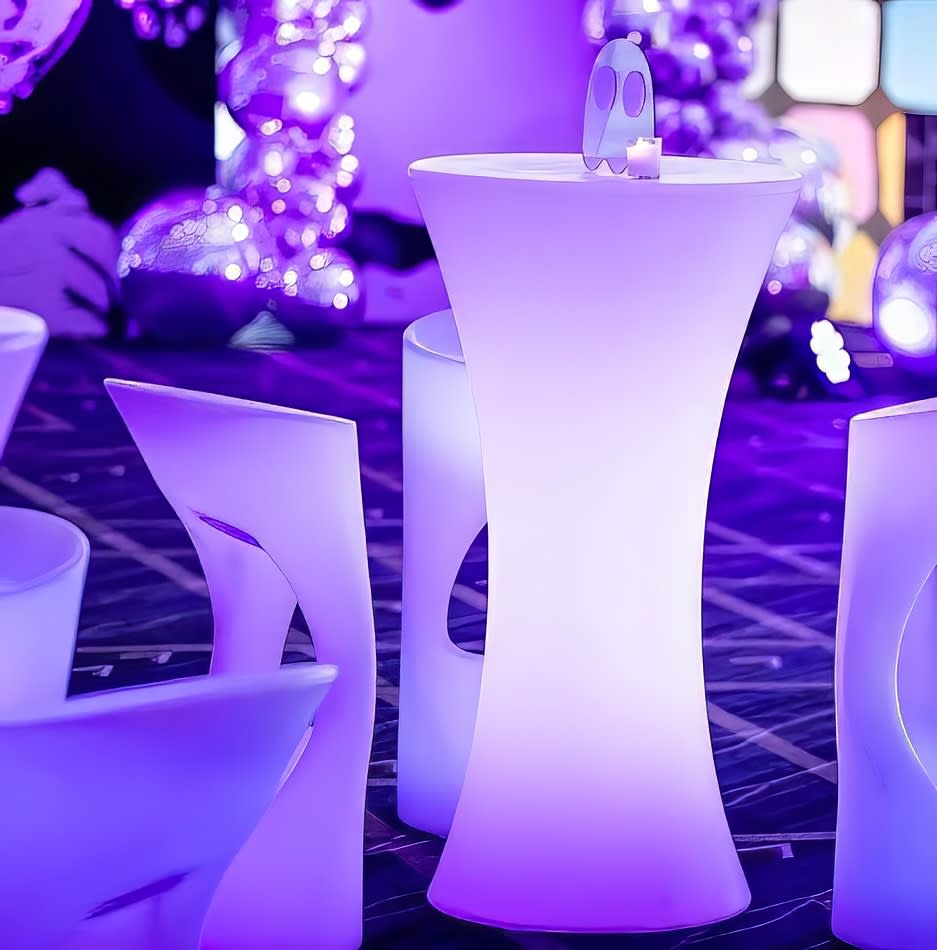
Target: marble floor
771,571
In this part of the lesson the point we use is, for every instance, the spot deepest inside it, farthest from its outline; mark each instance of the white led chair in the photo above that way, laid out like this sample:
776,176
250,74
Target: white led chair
122,810
443,510
23,337
885,876
43,561
271,498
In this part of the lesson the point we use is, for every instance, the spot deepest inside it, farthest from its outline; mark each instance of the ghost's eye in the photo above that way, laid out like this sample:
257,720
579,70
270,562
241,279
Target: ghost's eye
603,87
633,93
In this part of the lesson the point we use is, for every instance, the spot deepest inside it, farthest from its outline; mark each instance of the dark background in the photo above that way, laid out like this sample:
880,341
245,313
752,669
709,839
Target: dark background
124,119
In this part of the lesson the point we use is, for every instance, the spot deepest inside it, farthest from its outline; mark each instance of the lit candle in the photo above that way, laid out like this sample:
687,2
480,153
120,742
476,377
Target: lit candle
644,158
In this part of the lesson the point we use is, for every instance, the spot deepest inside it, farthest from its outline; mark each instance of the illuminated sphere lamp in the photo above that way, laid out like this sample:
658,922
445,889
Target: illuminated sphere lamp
904,294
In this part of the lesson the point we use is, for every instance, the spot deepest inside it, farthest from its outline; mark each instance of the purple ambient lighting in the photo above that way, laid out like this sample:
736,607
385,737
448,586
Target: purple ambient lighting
558,339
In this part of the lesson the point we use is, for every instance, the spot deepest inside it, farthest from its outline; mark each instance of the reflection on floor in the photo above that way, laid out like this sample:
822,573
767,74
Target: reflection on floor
768,613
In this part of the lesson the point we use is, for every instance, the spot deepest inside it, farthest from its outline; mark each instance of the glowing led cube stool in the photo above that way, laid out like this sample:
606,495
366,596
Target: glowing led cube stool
600,318
121,810
23,337
443,511
271,498
43,562
886,706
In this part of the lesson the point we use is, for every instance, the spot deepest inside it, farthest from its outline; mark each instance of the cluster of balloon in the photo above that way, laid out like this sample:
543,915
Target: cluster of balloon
286,69
700,52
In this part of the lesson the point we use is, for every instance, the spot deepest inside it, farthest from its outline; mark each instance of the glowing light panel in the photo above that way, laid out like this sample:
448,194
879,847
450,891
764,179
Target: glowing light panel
909,66
829,51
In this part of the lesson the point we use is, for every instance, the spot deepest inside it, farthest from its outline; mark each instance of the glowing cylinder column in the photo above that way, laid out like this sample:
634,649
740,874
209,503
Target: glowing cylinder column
600,319
443,511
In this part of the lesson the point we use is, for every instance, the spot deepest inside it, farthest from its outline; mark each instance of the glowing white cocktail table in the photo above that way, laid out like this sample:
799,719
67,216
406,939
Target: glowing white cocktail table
600,320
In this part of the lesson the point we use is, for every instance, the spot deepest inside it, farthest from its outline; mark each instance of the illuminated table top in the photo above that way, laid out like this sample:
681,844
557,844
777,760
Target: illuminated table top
676,171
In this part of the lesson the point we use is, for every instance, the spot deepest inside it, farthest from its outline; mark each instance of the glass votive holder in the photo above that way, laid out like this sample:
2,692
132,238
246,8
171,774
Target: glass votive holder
644,158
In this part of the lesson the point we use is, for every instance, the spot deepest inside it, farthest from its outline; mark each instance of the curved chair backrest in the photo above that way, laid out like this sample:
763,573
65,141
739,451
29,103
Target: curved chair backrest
127,806
271,498
23,337
43,562
886,714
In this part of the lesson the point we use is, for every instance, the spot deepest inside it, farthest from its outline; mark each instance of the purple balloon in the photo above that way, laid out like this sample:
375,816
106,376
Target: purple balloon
734,116
802,275
267,85
685,127
733,50
684,68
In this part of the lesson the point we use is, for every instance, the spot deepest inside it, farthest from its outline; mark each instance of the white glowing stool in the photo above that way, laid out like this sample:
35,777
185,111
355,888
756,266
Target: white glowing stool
23,337
600,320
271,498
443,511
886,704
43,562
121,810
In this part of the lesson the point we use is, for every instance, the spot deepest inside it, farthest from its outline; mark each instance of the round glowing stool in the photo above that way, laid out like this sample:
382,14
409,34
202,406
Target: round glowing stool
600,319
23,337
443,511
43,562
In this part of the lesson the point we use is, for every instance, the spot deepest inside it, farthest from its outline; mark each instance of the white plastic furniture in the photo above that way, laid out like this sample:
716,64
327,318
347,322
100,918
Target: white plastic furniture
600,318
121,810
43,562
443,511
23,337
885,878
271,498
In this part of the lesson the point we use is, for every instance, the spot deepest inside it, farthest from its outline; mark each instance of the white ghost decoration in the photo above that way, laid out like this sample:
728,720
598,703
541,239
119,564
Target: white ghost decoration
619,106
